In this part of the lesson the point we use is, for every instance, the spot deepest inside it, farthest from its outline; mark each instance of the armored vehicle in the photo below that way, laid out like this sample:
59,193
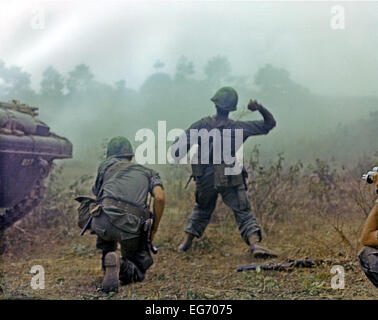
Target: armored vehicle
27,151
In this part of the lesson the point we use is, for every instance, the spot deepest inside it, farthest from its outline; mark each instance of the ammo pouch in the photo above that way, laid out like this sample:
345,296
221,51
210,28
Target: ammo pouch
128,208
125,216
223,180
88,206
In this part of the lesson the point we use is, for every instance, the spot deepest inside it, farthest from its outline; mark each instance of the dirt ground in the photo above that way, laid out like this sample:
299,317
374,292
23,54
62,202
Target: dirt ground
72,265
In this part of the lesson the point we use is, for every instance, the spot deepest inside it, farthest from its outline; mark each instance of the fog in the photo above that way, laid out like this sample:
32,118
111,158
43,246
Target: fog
123,39
116,67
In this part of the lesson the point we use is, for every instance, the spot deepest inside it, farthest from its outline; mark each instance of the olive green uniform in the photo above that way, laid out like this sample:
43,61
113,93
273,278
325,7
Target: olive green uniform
122,190
210,181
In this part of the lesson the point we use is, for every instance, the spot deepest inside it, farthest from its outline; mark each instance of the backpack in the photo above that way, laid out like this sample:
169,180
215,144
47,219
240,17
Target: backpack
88,205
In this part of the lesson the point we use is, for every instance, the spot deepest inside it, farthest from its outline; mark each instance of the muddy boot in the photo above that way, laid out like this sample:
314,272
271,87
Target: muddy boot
260,252
187,243
111,263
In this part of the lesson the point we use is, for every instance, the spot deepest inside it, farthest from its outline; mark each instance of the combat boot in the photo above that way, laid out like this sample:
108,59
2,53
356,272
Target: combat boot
111,264
259,252
129,273
186,245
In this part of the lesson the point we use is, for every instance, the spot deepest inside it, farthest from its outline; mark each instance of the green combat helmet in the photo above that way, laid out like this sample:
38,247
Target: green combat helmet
226,98
119,146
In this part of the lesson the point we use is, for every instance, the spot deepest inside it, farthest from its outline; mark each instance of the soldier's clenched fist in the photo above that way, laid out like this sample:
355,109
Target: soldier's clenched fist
253,105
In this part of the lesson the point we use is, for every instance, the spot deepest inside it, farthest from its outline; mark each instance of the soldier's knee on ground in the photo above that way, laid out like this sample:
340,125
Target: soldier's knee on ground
130,273
143,260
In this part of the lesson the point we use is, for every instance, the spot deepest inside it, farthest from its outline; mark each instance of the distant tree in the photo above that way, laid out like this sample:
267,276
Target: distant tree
157,84
80,79
218,70
276,80
15,84
272,77
156,96
52,84
184,68
124,96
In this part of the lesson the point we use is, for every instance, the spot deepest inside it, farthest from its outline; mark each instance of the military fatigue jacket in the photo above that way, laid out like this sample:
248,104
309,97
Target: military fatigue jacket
130,183
248,128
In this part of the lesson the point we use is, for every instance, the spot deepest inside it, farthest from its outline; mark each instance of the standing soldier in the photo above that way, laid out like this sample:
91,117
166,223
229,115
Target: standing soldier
122,190
211,180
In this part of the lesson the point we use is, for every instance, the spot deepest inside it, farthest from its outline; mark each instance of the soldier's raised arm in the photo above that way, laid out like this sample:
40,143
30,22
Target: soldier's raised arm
252,128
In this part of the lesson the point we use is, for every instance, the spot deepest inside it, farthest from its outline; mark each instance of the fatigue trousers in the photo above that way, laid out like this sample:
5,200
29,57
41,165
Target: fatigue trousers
136,259
368,258
234,197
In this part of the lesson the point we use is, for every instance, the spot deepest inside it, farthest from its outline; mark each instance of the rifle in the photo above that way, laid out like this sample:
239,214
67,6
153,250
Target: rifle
147,227
281,266
147,230
85,206
86,226
189,179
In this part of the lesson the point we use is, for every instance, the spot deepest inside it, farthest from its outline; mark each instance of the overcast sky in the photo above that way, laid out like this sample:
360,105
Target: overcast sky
123,39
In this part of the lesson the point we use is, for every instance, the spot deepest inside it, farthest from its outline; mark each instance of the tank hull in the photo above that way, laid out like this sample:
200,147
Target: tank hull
27,151
23,160
47,147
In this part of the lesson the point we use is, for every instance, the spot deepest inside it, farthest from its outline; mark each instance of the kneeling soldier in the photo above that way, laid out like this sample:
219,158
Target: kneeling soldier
122,190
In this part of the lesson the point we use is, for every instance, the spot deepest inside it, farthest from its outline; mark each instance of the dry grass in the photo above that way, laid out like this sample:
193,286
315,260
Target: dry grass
301,225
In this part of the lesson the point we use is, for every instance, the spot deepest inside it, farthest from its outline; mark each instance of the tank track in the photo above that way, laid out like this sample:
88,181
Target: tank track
24,207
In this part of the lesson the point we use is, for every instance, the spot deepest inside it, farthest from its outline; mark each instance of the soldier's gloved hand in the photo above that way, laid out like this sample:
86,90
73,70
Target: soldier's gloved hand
253,105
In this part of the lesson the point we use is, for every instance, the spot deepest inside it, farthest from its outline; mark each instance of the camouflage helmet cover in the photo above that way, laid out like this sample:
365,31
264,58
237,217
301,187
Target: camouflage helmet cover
119,146
226,98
